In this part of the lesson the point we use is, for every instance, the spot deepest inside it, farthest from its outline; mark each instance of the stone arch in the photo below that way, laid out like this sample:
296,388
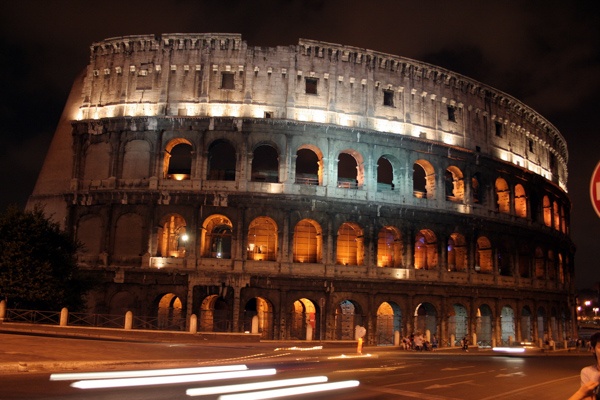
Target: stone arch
128,236
262,309
484,326
177,163
423,179
385,174
454,184
520,201
526,324
524,261
389,321
214,315
348,314
541,324
540,263
265,164
262,239
425,253
502,196
425,320
309,166
136,160
350,169
308,242
551,266
221,161
172,236
556,215
504,258
457,253
476,191
170,314
507,324
97,162
483,256
88,227
350,244
458,323
389,247
216,236
120,303
547,207
305,320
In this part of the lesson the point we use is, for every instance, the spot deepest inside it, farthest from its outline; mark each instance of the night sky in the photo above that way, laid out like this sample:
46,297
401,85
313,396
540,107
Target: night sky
544,53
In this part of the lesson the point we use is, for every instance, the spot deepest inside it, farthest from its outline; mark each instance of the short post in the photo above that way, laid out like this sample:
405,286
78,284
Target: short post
452,340
193,323
64,316
254,324
309,332
128,320
396,338
474,339
2,310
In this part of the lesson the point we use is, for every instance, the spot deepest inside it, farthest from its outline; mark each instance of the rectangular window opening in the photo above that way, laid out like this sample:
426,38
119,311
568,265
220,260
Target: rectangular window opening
451,114
311,85
388,98
498,129
227,81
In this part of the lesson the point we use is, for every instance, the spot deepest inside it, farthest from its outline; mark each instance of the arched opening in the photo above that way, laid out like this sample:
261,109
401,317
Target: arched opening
216,237
551,266
170,313
221,161
425,254
526,328
458,323
457,253
347,316
476,189
309,169
556,215
389,321
128,238
454,184
87,234
425,320
503,255
262,239
308,241
118,306
483,256
547,207
178,160
502,196
484,326
305,321
347,171
265,164
263,323
389,247
214,315
423,179
524,261
507,324
136,160
385,175
350,246
540,265
520,201
172,237
541,324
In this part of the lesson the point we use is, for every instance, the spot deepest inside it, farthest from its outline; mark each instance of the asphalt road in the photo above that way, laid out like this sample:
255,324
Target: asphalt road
382,373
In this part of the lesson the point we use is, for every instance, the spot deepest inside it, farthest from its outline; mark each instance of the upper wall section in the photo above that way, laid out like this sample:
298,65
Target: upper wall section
179,75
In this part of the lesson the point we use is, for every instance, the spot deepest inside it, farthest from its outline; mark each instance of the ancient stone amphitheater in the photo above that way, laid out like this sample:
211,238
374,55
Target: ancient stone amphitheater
300,191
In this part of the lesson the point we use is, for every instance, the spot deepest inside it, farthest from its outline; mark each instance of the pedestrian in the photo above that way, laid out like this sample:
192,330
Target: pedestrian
590,375
434,343
465,344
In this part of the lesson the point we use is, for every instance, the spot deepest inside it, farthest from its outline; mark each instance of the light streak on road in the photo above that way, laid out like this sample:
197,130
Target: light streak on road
245,387
73,376
165,380
293,391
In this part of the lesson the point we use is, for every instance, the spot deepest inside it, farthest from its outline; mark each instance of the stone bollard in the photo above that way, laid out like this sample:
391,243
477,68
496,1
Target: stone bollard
452,340
396,338
193,323
2,310
128,320
254,324
64,316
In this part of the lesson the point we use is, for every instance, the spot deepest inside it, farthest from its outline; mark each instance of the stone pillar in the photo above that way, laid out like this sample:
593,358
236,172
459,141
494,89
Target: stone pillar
64,317
236,308
193,323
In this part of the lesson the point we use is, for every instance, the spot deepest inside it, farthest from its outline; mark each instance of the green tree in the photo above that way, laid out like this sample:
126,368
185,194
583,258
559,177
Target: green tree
38,268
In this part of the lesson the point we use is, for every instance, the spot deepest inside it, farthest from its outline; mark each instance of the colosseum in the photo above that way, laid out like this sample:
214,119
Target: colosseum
300,191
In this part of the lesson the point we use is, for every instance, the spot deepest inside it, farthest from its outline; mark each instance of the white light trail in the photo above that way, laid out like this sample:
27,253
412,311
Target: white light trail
296,390
142,373
509,349
245,387
165,380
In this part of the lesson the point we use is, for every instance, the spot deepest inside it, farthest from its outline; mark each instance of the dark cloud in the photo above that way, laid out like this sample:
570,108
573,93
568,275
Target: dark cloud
545,53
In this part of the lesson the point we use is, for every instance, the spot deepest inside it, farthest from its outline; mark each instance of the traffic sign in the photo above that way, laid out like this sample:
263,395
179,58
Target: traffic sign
595,189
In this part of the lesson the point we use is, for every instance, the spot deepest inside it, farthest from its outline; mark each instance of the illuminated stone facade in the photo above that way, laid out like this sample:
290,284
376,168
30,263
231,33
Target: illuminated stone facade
311,188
